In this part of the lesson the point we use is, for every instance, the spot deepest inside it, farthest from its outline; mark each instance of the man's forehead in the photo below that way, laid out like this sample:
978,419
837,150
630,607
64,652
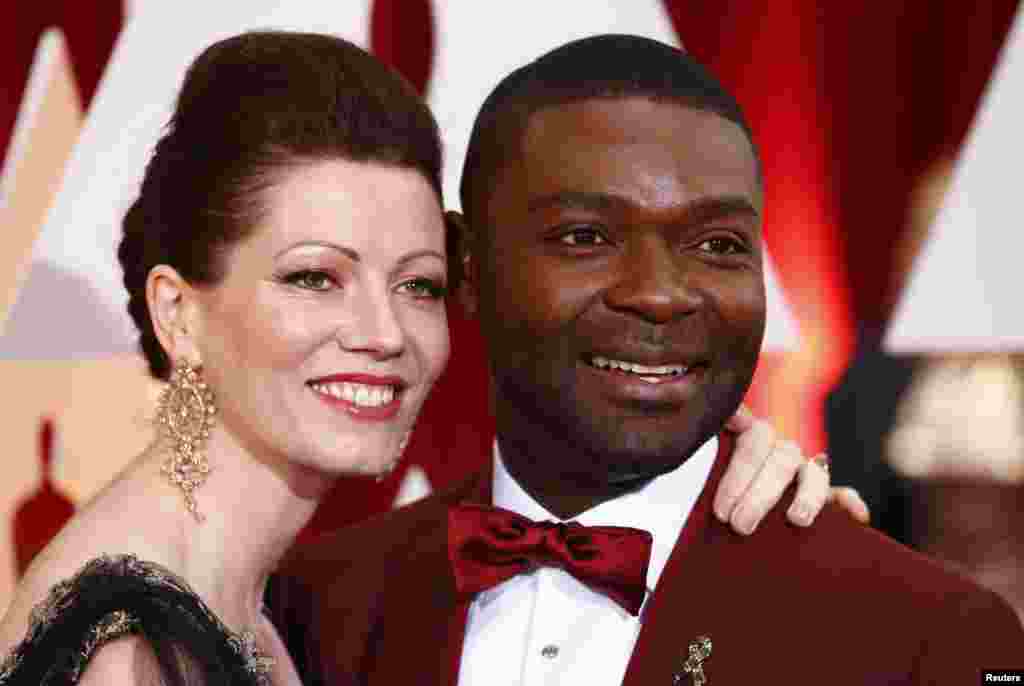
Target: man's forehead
626,117
637,142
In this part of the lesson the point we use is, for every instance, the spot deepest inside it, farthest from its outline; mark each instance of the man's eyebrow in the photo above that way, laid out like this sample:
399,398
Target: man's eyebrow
719,206
580,200
699,210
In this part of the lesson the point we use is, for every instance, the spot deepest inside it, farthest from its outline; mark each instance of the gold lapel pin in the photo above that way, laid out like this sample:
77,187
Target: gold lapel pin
698,651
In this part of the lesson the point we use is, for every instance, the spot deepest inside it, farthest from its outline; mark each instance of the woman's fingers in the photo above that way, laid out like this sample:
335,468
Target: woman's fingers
741,421
761,469
778,472
812,491
754,443
849,499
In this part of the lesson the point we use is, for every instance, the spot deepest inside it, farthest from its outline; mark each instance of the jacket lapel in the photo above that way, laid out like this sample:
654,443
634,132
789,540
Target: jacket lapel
683,604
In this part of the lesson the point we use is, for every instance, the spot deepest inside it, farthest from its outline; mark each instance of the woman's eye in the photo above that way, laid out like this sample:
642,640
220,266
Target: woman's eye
311,279
424,288
722,246
583,236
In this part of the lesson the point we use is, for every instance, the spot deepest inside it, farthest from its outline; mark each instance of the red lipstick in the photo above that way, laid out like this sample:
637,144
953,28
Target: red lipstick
369,413
367,379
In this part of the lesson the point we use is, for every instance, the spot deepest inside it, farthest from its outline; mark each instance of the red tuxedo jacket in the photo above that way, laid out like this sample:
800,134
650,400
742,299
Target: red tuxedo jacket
837,603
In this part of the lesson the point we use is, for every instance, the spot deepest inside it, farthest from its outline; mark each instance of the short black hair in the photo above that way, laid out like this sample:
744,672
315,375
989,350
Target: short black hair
603,66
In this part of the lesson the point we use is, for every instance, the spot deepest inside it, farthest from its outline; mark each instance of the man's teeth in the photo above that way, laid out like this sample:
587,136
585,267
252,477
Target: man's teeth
357,393
633,367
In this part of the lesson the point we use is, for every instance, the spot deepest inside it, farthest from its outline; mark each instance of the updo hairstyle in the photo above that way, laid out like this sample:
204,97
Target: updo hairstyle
251,108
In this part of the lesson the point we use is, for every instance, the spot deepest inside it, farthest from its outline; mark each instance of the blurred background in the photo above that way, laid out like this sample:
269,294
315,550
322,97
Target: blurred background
890,140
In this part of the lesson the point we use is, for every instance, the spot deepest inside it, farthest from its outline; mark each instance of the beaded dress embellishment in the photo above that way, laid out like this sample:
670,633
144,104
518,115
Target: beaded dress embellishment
120,622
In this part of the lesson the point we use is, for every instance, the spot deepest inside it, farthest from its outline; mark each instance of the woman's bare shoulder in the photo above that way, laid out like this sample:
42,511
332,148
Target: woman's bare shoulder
103,528
128,660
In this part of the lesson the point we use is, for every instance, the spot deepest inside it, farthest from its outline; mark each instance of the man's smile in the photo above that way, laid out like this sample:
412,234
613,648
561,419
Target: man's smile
648,368
663,386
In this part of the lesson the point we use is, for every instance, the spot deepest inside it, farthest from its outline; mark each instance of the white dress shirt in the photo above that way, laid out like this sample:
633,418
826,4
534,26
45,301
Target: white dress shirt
545,628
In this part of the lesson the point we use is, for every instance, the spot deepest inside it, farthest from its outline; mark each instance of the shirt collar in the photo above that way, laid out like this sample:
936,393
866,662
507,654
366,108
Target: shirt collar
661,506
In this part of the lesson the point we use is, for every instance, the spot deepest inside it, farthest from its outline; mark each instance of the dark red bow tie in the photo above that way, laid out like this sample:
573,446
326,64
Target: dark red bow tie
487,545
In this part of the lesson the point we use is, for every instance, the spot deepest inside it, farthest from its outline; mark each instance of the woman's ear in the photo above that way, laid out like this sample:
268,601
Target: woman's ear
462,244
173,312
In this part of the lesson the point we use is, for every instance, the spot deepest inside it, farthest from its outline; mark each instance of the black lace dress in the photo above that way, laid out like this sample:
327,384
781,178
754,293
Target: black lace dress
114,596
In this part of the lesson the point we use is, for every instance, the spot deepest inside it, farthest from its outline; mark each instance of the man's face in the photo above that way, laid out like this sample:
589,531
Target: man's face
626,232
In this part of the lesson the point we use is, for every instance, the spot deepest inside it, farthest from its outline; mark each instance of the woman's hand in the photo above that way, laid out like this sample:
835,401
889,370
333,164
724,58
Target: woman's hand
761,468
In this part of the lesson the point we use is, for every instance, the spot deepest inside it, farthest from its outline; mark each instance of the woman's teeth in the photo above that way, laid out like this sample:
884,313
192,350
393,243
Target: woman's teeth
357,393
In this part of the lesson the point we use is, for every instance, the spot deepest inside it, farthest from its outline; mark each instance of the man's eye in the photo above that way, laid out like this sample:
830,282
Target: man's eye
311,279
722,246
583,236
424,288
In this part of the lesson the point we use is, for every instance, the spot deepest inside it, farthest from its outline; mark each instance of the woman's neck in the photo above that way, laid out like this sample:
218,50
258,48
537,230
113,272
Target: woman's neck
251,510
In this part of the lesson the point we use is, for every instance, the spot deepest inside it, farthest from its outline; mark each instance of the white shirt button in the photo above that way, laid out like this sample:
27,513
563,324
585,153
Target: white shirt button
550,651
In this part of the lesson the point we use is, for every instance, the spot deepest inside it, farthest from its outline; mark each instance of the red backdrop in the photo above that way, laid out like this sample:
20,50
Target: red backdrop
850,103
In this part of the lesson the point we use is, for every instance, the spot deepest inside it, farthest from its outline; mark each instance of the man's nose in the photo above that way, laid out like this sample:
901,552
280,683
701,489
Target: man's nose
652,283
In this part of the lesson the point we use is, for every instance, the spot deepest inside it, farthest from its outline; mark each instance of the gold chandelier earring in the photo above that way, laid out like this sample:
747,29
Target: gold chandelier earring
185,416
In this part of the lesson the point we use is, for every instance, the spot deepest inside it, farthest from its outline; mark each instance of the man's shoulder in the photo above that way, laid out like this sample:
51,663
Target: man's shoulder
387,536
839,557
838,548
911,614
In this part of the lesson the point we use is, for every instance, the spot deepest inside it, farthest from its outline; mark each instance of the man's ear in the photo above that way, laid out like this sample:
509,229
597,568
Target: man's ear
173,312
464,270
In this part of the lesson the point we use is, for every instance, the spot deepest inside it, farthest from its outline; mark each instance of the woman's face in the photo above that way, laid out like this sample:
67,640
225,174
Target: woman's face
329,328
